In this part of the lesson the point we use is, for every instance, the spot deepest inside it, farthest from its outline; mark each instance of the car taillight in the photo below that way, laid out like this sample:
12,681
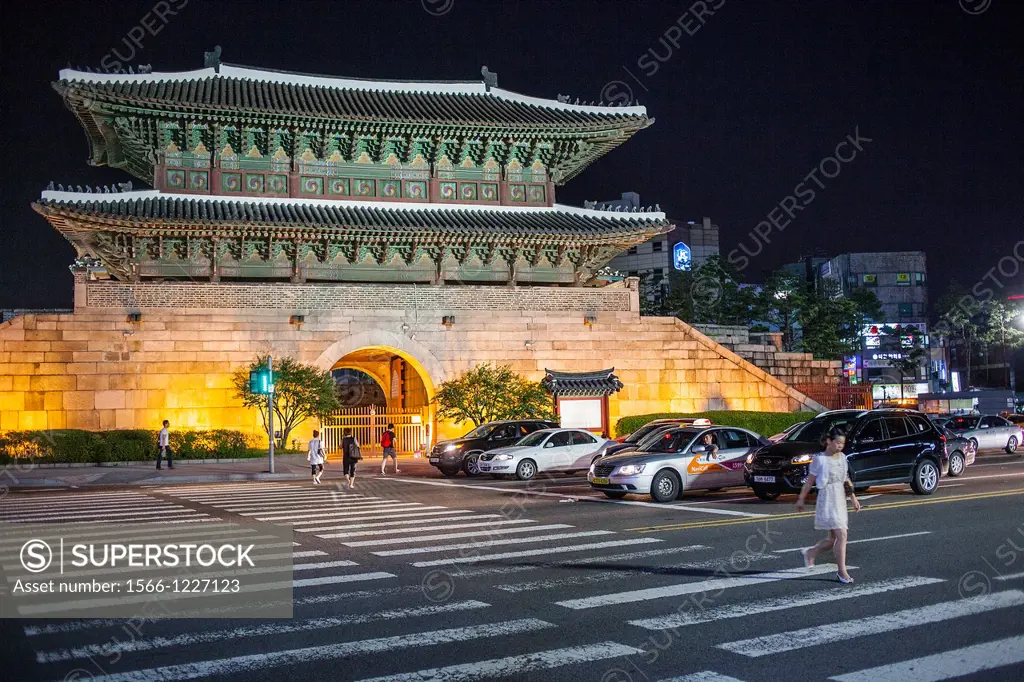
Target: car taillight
942,438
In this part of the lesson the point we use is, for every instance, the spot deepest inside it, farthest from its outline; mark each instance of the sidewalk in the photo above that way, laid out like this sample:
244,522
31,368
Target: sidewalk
286,468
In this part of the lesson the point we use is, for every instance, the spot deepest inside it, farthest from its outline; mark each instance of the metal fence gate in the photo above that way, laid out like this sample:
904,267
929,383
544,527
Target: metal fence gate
412,429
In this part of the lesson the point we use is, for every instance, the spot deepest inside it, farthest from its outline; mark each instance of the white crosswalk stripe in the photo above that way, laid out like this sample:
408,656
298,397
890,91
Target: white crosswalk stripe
947,665
426,529
534,552
888,622
492,543
489,531
703,676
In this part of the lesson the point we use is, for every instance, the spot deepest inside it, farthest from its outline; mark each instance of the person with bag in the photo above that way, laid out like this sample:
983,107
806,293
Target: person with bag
350,454
830,472
316,457
387,444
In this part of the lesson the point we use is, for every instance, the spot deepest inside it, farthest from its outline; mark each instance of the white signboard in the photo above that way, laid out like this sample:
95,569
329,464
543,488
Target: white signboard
580,413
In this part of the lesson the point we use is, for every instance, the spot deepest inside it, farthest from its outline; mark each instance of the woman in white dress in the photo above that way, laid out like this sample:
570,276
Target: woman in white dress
316,457
830,473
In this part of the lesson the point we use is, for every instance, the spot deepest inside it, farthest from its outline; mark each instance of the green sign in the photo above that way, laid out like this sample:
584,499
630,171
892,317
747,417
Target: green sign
261,381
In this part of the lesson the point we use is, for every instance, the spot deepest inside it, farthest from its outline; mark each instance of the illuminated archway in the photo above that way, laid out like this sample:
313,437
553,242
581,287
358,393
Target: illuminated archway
417,355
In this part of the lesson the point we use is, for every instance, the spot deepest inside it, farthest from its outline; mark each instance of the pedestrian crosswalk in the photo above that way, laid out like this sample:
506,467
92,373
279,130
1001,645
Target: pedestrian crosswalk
528,599
115,507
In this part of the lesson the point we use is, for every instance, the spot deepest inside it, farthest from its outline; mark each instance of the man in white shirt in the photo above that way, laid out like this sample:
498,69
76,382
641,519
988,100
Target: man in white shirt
164,449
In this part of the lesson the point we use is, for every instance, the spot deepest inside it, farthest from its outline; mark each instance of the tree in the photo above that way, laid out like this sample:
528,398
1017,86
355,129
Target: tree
998,322
488,393
300,391
832,324
957,321
710,294
778,303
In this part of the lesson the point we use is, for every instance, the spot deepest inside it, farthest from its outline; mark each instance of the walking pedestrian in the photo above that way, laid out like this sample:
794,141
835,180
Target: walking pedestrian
830,472
350,454
387,444
316,457
164,446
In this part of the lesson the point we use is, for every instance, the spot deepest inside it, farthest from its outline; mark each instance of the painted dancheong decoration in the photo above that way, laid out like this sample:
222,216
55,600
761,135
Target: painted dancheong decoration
262,174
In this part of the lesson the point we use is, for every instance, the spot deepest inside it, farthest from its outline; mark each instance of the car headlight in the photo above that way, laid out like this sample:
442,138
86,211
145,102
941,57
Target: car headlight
631,469
802,459
750,458
502,457
452,447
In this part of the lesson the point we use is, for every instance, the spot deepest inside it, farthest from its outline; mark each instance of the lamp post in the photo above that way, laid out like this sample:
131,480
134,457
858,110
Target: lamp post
270,410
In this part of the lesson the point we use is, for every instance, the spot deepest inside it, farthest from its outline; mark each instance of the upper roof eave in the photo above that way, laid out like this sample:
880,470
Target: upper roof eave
288,78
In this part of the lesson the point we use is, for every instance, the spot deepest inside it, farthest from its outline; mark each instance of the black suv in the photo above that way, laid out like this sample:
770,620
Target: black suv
882,447
452,456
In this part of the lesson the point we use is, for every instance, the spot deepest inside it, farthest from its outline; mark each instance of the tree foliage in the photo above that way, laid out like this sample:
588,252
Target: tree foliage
778,303
832,323
710,294
488,393
301,391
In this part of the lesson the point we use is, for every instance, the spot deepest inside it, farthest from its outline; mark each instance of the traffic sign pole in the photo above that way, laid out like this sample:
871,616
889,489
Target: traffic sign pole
270,410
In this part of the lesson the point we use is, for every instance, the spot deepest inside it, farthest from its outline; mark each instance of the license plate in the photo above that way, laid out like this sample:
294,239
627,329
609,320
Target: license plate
600,481
435,460
764,479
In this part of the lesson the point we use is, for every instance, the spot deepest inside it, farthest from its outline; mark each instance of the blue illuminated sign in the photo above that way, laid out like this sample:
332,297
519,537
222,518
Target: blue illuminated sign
681,256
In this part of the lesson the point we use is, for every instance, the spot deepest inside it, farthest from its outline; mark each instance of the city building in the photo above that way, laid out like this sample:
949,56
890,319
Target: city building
899,280
686,247
404,230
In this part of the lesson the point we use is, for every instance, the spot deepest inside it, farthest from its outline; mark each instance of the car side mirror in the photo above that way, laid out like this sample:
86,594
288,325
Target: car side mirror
549,444
698,449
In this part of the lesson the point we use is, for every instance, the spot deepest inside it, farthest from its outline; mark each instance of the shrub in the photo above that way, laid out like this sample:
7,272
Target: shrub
131,446
73,446
764,423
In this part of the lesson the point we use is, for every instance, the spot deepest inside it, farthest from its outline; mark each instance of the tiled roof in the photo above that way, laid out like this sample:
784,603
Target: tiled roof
599,383
257,90
153,208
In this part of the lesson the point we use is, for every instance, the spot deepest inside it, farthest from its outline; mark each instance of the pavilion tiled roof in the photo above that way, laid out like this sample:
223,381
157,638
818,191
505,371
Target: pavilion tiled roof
155,211
232,88
600,383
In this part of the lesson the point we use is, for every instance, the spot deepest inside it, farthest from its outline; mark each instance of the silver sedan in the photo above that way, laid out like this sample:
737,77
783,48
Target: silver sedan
988,433
680,459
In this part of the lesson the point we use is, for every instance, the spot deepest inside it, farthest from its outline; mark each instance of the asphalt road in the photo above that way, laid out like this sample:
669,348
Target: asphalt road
416,577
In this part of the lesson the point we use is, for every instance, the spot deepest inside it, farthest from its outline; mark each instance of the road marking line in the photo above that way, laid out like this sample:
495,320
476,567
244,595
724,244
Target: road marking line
1012,576
388,525
98,534
947,665
621,575
802,515
703,676
367,511
780,604
579,563
491,543
887,622
289,498
453,536
103,513
420,529
694,587
854,542
515,666
325,652
533,552
270,629
655,505
978,478
429,516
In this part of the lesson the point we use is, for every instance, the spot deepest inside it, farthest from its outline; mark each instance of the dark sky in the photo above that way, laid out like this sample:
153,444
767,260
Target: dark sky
746,107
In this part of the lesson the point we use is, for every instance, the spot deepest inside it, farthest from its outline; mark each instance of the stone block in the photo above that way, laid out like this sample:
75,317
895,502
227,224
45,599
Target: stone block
122,382
93,382
109,400
79,400
156,399
56,419
31,420
154,381
27,346
108,419
42,335
9,420
124,419
34,400
82,419
12,401
84,356
6,383
32,357
20,383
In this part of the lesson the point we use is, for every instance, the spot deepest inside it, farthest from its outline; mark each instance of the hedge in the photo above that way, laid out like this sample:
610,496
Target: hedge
764,423
74,446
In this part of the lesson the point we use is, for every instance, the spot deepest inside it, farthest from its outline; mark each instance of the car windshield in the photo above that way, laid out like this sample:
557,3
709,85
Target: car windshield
643,432
672,441
963,423
481,431
812,431
535,438
654,435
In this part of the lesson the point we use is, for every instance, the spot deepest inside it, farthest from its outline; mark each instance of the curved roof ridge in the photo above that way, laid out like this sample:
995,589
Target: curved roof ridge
345,83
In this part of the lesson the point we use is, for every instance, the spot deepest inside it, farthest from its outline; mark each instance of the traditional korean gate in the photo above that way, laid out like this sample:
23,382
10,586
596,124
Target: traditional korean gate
412,429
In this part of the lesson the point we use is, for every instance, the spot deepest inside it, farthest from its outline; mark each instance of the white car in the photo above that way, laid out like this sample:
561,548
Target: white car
566,450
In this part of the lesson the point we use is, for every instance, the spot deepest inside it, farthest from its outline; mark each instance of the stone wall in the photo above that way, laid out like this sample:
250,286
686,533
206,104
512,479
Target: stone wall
792,368
96,370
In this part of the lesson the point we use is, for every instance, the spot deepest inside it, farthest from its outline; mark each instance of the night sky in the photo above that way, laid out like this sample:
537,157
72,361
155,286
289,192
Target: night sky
748,101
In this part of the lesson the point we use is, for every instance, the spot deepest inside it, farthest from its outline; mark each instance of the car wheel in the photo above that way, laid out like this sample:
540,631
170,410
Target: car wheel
956,464
766,494
1011,445
471,464
926,477
450,473
526,470
614,494
665,486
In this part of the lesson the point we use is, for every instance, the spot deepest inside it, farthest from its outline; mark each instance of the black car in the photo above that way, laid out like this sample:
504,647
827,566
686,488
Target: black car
882,447
960,451
453,456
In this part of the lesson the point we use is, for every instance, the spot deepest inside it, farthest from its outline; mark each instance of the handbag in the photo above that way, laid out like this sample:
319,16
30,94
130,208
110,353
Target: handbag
354,454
